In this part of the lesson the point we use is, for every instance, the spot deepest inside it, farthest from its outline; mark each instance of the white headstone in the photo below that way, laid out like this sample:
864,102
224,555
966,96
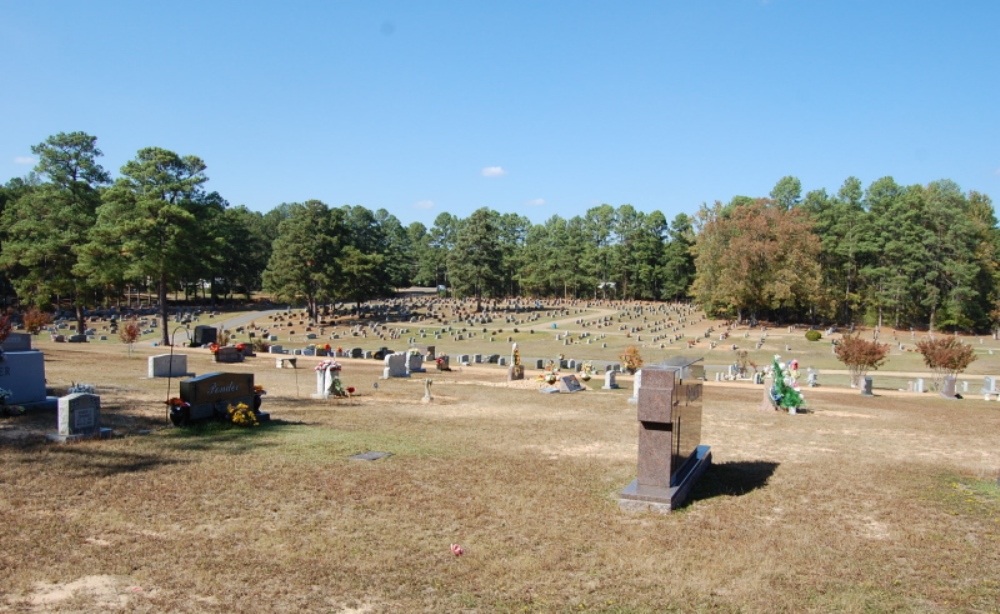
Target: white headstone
609,381
166,365
395,366
79,417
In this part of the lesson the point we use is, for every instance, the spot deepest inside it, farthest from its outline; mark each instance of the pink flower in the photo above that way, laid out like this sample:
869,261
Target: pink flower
457,550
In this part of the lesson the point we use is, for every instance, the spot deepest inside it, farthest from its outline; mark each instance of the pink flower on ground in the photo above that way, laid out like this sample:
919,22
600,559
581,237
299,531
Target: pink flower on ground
457,550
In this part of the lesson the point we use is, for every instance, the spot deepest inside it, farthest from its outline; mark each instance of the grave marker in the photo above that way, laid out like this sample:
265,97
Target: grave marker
79,418
167,365
210,395
671,457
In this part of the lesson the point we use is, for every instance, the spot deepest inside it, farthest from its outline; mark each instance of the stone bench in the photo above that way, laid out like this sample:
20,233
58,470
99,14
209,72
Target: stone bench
279,363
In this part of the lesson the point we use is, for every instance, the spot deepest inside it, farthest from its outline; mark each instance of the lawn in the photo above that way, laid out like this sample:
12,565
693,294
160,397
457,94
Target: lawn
882,504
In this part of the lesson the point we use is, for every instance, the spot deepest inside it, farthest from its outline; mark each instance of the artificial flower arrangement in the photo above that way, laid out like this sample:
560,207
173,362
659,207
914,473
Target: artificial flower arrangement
586,371
551,373
242,415
332,365
784,391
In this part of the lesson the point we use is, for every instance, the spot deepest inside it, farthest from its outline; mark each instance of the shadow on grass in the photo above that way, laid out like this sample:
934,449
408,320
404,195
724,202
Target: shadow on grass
225,437
90,459
731,479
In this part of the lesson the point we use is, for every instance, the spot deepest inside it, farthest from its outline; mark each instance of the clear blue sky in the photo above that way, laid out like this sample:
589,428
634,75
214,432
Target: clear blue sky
422,107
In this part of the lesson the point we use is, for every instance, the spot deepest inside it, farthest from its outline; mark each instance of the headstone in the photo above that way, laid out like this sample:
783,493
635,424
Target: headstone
203,335
569,383
636,383
866,388
357,353
167,365
276,349
23,374
919,385
228,354
989,386
609,381
539,364
395,366
79,418
210,395
324,381
17,342
515,372
415,363
948,389
671,457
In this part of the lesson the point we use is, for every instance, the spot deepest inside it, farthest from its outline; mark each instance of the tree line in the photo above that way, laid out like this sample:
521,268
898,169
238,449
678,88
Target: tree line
900,255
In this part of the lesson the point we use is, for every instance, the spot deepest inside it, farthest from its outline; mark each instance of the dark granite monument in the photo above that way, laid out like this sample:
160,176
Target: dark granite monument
203,335
209,396
671,457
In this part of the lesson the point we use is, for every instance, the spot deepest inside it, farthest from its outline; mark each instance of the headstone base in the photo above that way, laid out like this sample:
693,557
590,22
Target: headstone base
103,433
656,499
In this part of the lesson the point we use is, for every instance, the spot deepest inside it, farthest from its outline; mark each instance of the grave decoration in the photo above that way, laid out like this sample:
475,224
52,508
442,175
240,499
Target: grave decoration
443,362
328,382
8,410
671,457
586,371
551,372
784,392
515,372
210,396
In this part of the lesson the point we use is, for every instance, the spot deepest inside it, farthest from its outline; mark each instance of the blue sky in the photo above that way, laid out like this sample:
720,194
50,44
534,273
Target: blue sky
539,108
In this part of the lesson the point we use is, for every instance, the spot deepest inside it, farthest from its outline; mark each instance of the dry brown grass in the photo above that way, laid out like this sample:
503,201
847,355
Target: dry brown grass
885,504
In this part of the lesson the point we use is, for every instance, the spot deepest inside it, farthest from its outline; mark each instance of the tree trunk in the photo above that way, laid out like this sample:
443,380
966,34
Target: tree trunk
164,318
81,324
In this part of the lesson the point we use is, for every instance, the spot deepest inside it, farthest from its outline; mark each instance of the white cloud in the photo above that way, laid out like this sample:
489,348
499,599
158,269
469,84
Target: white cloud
25,160
536,202
424,204
494,171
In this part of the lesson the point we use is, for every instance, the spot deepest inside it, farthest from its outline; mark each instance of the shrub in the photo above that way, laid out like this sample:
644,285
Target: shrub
36,319
129,334
945,356
813,335
631,359
860,356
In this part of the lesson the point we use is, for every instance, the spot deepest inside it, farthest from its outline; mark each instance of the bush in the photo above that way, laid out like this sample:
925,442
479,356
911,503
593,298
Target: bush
946,356
813,335
859,356
35,320
631,359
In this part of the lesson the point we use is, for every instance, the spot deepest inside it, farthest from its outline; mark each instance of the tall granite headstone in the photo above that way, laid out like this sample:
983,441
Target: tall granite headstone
671,457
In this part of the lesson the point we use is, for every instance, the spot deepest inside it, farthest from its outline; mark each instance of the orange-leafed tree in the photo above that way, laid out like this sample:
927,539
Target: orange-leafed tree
860,356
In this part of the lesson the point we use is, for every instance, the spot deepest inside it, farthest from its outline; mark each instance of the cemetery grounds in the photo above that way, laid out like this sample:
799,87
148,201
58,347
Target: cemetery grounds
862,504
